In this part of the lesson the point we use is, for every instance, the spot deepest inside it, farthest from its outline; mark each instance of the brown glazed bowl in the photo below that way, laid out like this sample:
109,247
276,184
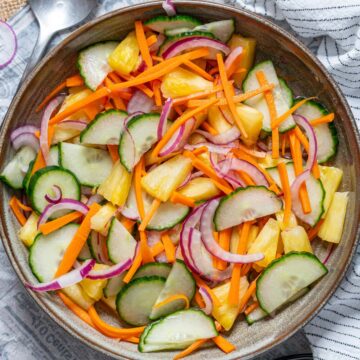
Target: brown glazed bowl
306,76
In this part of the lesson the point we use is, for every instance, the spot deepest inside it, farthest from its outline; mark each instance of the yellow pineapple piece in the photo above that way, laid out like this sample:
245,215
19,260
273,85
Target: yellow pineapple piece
71,99
217,120
29,230
101,220
332,228
235,237
268,161
266,242
94,288
296,239
200,188
110,302
78,296
126,55
181,82
280,219
252,120
117,186
167,177
226,314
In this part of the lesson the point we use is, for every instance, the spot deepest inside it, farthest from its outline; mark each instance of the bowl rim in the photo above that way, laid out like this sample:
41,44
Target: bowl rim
143,6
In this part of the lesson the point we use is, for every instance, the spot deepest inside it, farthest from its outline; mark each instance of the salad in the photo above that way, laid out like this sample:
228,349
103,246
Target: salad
180,182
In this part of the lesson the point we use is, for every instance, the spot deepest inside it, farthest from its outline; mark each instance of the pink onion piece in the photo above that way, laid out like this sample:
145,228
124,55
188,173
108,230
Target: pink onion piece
194,42
26,139
163,118
111,272
73,124
130,213
71,278
310,133
206,228
8,43
234,180
262,146
224,138
64,204
169,7
156,46
207,300
56,198
217,149
330,249
26,129
232,57
191,177
295,201
140,102
96,198
226,113
50,108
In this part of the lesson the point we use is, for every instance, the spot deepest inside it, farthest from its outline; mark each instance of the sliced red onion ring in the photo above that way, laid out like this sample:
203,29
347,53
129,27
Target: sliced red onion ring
310,133
111,272
232,57
262,146
217,149
169,7
206,228
96,198
207,300
191,177
71,278
128,118
73,124
234,180
44,128
26,129
224,138
163,118
295,187
26,139
56,198
64,204
8,43
194,42
329,249
130,213
156,46
140,102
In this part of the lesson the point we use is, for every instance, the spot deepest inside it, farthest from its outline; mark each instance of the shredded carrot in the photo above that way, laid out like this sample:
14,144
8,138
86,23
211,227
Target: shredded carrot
229,93
236,273
39,163
200,150
245,269
23,206
172,298
151,40
77,242
283,144
198,70
75,107
157,249
177,123
108,105
157,58
133,269
214,70
128,224
197,95
288,113
169,248
323,120
198,299
58,223
53,93
194,346
138,191
76,309
224,242
114,152
157,92
141,87
14,205
224,345
251,308
146,254
286,189
261,77
207,127
75,80
178,110
312,233
178,198
144,47
202,283
249,292
245,176
149,215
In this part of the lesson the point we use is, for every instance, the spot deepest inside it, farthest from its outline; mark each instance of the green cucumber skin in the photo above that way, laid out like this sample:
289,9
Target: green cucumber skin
281,259
322,203
149,266
166,19
170,226
290,95
27,177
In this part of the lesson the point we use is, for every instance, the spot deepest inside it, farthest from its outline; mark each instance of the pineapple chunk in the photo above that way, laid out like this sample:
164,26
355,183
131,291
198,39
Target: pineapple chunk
28,232
78,296
268,161
94,288
331,178
200,189
117,186
296,239
181,82
252,120
101,220
217,120
196,138
333,225
110,302
71,99
126,55
167,177
61,134
266,242
247,59
235,236
226,314
280,219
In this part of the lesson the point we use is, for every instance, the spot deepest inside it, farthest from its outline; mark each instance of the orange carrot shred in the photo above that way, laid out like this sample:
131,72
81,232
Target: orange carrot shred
283,144
75,80
198,299
141,87
58,223
16,211
224,242
207,127
141,39
146,254
286,189
157,249
194,346
157,92
137,183
249,292
224,345
198,70
151,40
134,267
202,283
53,93
172,298
312,233
114,152
127,223
23,206
323,120
178,198
251,308
197,95
169,248
149,215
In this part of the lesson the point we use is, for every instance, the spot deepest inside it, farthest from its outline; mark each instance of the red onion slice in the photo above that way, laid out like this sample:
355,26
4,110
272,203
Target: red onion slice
233,56
96,198
8,43
216,149
26,129
207,300
56,198
111,272
140,102
329,251
73,124
71,278
295,187
130,213
156,46
206,228
26,139
194,42
224,138
169,7
163,118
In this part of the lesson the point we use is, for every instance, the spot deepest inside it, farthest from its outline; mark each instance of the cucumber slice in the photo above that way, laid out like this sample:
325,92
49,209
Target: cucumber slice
15,171
177,31
286,92
259,102
162,23
136,299
120,243
326,134
179,281
27,177
114,285
245,204
43,182
54,155
286,276
105,128
85,253
93,63
143,131
274,173
91,166
47,251
177,331
222,30
255,315
153,269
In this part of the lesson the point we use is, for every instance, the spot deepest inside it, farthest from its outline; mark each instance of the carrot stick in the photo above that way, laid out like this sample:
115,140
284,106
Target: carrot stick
224,242
157,58
236,273
178,198
194,346
53,93
214,70
286,189
200,150
14,206
245,269
323,120
174,298
138,191
283,144
197,95
75,80
141,87
78,241
141,39
39,163
144,248
114,152
249,292
251,308
151,40
260,75
133,269
224,345
177,123
23,206
229,93
247,179
202,283
198,70
206,126
128,224
149,215
198,299
312,233
58,223
157,92
169,248
75,107
157,249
